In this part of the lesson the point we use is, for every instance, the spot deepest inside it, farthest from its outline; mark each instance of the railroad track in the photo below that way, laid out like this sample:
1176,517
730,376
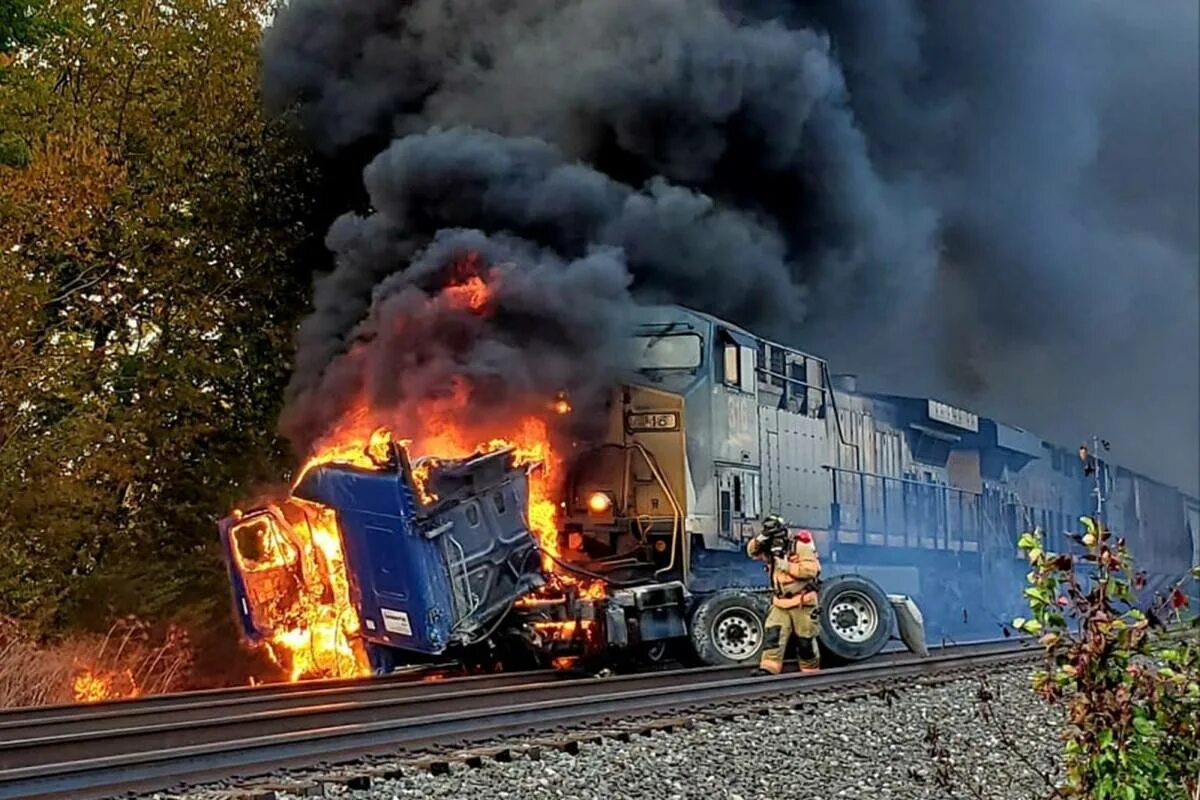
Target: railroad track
162,742
30,713
246,702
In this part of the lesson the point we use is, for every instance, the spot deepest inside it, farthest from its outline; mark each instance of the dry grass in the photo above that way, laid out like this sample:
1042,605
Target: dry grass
132,659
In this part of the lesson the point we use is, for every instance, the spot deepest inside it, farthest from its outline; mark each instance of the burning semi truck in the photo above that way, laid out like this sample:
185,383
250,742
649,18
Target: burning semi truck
377,559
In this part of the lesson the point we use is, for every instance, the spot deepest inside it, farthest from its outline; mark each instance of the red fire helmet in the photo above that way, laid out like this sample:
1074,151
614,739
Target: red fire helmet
804,536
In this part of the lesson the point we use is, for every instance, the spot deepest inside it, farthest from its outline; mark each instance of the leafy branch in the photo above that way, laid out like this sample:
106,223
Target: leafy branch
1130,685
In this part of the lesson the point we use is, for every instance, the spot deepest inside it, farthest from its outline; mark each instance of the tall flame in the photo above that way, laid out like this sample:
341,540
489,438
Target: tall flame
295,575
324,643
442,428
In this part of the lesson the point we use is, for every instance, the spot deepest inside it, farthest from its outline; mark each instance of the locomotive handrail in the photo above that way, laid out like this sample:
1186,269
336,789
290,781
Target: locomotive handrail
900,479
790,379
677,521
959,523
837,418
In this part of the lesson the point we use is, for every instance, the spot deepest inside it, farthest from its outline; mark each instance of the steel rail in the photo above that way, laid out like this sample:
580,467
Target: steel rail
191,707
408,675
194,720
137,760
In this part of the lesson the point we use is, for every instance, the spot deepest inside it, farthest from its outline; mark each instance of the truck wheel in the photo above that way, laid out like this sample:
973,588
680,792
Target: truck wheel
727,629
856,617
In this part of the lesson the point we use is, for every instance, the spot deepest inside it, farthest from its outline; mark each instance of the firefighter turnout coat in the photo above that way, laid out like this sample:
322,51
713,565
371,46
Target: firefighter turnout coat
795,603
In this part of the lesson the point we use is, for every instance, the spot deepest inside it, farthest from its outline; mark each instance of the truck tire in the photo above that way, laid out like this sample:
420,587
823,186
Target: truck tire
727,629
856,618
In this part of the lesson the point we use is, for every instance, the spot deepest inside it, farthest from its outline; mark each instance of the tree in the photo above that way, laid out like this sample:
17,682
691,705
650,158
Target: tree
23,23
148,290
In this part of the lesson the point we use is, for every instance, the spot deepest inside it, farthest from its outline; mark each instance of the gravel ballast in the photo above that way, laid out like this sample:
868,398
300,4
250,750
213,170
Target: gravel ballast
863,747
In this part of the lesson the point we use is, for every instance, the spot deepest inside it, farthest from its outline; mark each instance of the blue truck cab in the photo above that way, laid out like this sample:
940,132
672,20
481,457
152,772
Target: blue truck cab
419,580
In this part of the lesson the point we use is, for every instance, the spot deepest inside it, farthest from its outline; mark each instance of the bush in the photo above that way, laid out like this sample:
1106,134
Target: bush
131,660
1128,677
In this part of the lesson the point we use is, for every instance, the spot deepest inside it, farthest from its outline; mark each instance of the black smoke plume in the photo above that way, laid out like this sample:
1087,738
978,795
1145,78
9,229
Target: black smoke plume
565,249
991,203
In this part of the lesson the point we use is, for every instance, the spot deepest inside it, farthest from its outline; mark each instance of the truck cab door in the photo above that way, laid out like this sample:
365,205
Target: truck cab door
264,563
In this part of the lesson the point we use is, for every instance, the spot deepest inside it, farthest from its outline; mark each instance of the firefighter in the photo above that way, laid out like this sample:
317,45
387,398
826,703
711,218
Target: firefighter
795,569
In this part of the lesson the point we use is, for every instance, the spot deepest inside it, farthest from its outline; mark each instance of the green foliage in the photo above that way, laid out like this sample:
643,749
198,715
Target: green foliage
24,23
148,290
1130,682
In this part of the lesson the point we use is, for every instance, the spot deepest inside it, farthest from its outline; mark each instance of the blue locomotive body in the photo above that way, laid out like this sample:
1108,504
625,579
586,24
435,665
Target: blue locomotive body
922,497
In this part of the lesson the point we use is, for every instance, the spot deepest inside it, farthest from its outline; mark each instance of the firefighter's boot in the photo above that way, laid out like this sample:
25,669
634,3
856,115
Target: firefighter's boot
807,628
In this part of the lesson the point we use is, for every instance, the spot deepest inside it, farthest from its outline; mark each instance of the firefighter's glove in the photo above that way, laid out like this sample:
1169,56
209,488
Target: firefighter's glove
761,539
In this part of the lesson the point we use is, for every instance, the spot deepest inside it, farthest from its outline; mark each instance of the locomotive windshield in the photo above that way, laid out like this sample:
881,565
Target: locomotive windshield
678,351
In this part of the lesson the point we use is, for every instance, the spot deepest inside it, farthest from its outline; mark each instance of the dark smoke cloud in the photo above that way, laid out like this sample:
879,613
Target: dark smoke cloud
421,344
994,203
753,114
678,242
573,247
1059,142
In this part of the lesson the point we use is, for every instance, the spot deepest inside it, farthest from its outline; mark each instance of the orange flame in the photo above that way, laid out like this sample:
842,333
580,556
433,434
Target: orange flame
295,576
322,636
472,293
322,642
95,686
90,688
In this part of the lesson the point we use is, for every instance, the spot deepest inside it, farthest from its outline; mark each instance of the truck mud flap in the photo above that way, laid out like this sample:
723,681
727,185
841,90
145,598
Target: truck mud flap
909,623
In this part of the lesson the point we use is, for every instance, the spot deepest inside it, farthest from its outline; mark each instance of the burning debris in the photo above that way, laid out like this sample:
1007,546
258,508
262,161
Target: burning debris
96,684
132,659
427,362
292,566
291,557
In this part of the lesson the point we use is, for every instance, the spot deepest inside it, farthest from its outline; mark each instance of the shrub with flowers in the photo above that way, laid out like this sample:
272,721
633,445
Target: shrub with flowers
1129,677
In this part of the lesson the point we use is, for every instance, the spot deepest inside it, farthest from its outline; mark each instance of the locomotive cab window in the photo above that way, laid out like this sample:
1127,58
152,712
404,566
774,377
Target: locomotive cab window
731,363
737,361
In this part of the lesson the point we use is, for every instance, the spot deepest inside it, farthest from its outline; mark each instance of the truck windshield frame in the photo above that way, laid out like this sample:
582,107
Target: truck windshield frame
661,352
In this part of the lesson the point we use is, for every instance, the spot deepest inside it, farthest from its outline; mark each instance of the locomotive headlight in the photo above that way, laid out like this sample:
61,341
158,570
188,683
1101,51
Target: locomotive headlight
599,503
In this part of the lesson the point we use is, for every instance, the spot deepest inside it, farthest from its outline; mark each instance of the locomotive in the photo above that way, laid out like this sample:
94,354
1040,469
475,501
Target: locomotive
915,506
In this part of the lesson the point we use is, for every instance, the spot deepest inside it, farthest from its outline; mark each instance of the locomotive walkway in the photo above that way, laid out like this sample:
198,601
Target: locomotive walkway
155,743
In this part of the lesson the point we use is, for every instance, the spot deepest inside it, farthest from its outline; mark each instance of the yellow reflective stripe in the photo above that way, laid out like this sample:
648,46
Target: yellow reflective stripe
804,568
791,587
